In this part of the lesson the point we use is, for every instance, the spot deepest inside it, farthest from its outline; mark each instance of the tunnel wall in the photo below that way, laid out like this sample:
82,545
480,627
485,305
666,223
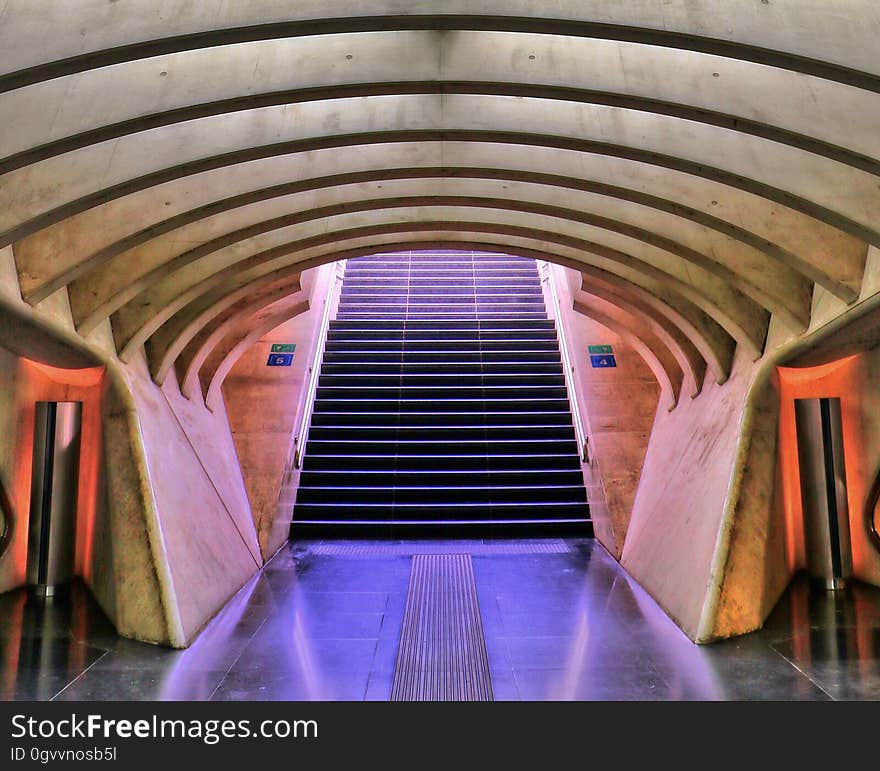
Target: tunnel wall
265,405
204,521
617,408
692,463
203,514
164,531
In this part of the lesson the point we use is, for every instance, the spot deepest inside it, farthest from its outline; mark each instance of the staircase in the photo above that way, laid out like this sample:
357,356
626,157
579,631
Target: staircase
441,407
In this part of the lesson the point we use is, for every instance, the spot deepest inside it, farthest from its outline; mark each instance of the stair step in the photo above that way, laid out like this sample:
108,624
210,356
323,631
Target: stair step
432,288
450,420
487,296
440,393
433,326
440,357
458,340
446,406
394,530
425,346
440,446
442,379
439,433
440,478
454,512
363,368
430,461
412,494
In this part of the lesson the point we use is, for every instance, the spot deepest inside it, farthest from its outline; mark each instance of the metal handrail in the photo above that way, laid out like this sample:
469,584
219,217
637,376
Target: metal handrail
870,509
302,436
8,520
567,365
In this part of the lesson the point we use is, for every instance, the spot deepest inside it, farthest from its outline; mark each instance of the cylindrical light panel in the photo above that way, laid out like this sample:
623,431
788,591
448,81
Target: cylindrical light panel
54,489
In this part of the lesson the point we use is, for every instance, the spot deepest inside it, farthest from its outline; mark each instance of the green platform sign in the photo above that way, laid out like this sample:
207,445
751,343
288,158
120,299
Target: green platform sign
283,347
599,349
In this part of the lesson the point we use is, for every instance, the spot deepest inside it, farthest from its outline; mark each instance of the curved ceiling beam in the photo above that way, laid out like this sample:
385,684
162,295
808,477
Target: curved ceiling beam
631,31
189,347
224,335
37,287
223,356
647,327
789,297
550,92
680,308
132,321
190,310
33,222
681,320
655,354
59,254
165,346
675,338
192,346
714,343
745,322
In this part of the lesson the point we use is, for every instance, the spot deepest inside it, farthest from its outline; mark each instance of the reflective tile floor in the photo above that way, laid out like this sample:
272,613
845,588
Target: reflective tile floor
561,621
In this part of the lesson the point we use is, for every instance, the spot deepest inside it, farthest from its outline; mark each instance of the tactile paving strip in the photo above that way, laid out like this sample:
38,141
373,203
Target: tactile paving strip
442,652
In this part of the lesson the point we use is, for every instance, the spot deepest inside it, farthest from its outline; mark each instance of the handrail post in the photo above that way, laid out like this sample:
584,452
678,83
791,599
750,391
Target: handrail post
302,435
567,365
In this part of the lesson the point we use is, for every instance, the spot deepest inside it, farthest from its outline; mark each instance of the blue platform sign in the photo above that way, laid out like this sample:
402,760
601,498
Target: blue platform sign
604,361
280,360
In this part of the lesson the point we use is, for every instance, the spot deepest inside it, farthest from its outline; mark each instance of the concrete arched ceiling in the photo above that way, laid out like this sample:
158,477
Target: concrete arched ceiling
704,165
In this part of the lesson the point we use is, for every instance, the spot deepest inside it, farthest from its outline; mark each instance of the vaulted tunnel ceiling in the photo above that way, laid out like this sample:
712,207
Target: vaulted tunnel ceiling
177,165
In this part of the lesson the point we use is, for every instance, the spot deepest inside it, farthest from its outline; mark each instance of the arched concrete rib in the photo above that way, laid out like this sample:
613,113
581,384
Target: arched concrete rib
859,230
192,309
747,322
674,337
223,356
651,334
576,25
681,308
710,339
47,275
169,343
217,340
133,324
189,363
651,349
551,92
650,278
790,295
190,350
57,255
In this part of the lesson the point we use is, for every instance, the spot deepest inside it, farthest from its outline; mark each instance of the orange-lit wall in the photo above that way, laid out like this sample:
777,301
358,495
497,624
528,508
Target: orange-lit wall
854,381
23,384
